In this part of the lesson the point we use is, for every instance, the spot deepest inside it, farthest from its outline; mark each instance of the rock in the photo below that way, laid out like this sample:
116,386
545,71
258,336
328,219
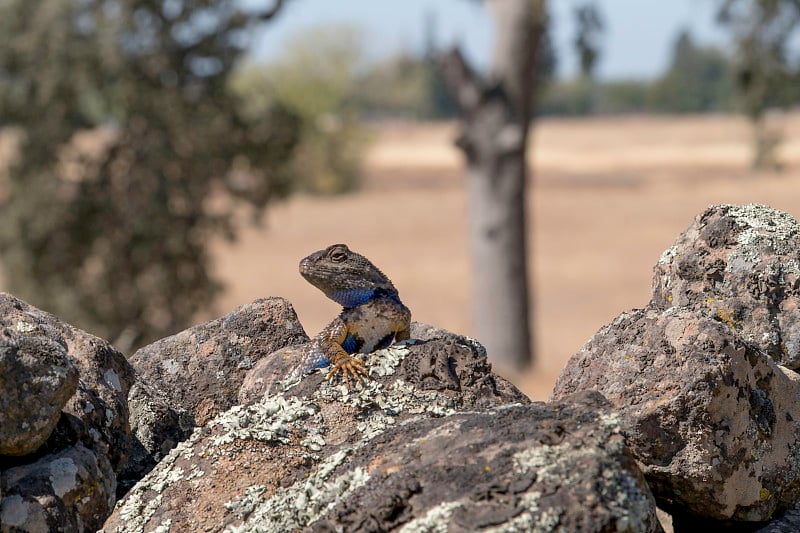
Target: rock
157,427
202,368
66,483
270,372
97,413
71,490
451,353
711,419
739,265
429,440
36,380
184,380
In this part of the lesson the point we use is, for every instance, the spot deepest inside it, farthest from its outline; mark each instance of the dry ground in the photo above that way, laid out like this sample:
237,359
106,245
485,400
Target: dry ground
608,196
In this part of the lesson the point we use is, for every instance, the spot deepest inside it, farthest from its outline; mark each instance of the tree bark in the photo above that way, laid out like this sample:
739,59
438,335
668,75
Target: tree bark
496,115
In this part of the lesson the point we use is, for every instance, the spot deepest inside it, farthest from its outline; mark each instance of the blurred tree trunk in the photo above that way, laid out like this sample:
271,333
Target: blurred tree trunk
496,114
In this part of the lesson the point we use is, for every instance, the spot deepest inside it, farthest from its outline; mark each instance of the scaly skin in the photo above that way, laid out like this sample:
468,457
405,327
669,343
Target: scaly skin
372,316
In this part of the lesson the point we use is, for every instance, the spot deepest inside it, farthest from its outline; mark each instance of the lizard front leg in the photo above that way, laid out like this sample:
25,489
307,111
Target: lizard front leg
332,338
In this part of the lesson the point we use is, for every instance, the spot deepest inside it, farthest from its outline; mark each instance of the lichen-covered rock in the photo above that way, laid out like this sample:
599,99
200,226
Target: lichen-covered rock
739,265
202,368
419,446
451,359
71,490
712,420
36,380
157,427
97,413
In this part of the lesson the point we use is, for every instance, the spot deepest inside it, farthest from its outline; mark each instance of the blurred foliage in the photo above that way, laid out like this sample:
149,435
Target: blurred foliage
132,157
767,64
590,27
315,77
698,79
404,87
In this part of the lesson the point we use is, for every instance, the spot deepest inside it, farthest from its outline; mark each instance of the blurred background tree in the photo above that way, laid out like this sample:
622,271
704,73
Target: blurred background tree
767,65
698,79
133,153
496,113
315,78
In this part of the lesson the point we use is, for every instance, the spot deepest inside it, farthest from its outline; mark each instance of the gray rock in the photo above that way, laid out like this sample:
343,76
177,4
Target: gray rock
157,427
67,483
712,420
97,413
71,490
431,442
36,380
202,368
451,354
184,380
739,265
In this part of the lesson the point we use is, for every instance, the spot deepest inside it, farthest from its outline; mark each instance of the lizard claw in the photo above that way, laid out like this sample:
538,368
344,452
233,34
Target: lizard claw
351,368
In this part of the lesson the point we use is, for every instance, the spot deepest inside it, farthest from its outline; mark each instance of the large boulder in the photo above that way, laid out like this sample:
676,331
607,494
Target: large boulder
36,380
739,265
712,420
703,376
188,378
67,482
69,490
433,441
97,413
202,368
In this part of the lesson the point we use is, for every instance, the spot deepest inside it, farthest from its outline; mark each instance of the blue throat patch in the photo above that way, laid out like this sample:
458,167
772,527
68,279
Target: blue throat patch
355,297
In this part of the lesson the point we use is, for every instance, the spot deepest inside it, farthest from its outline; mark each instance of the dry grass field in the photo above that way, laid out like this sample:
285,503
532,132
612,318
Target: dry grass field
607,197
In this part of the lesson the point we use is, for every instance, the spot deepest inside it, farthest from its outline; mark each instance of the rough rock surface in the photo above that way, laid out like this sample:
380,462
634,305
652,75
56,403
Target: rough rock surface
202,367
71,490
36,380
97,413
186,379
739,265
433,440
712,419
157,427
68,482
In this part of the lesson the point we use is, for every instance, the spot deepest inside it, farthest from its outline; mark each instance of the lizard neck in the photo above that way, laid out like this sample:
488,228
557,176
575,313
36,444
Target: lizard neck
348,298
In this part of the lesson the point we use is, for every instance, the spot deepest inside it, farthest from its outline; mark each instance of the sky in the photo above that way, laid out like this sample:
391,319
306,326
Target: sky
636,44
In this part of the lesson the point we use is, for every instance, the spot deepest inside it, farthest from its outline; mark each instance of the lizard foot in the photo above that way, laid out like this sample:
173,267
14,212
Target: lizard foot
351,368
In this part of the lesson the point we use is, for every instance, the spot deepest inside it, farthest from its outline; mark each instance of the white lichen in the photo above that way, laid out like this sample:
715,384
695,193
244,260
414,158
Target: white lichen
268,420
435,520
294,507
63,475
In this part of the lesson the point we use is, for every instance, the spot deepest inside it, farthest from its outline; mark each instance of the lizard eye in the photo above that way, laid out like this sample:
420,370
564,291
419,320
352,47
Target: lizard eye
338,256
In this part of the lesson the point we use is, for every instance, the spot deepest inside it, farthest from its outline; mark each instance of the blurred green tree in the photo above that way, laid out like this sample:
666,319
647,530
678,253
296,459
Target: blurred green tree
698,79
132,157
316,78
765,34
402,87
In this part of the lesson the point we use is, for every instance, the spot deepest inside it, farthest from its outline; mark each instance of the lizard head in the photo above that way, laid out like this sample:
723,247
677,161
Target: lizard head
344,276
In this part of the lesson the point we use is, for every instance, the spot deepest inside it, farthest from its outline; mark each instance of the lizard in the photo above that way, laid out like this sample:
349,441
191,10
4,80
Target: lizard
372,315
